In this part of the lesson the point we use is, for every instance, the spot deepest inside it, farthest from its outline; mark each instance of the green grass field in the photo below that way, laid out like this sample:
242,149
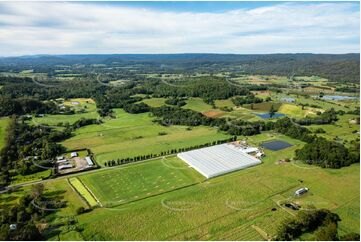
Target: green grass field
342,129
135,134
83,191
236,206
154,102
295,111
77,104
197,104
137,181
3,125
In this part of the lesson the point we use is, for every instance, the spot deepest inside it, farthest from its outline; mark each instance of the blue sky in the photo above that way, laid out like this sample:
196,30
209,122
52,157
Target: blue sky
178,27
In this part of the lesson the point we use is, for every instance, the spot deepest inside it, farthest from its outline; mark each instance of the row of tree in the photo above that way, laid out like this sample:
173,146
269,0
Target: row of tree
164,153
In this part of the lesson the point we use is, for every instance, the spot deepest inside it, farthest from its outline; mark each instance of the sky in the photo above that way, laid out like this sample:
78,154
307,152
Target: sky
28,28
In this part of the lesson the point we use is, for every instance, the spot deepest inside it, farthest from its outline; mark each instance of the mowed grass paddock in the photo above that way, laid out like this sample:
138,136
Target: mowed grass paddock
83,191
137,181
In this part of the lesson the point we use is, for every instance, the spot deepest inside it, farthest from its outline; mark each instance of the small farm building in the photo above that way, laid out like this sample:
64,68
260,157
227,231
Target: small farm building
63,167
89,161
73,154
301,191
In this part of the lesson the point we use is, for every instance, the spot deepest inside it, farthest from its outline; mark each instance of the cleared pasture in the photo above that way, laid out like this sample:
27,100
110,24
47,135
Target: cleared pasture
154,102
130,135
83,107
197,104
296,111
4,122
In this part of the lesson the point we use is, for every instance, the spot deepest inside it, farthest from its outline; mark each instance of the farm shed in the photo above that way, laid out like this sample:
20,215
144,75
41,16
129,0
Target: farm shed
218,160
301,191
62,161
89,161
62,167
73,154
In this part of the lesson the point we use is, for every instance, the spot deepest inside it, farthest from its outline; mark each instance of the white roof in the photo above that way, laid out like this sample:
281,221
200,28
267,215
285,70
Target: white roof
64,167
249,150
303,189
218,160
60,157
89,160
61,161
73,154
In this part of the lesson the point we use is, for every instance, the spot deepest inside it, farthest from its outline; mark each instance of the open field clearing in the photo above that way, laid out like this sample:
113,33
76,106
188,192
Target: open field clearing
260,79
342,129
83,107
234,206
154,102
135,134
4,122
83,191
295,111
224,103
197,104
137,181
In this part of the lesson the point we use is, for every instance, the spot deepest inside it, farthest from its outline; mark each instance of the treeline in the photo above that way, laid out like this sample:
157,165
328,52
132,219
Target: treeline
209,87
287,127
318,151
120,97
20,106
250,98
136,108
164,153
176,102
177,116
49,89
327,117
321,223
24,141
242,127
327,154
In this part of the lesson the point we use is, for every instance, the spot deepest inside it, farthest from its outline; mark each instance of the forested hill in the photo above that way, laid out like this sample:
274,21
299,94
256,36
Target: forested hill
341,67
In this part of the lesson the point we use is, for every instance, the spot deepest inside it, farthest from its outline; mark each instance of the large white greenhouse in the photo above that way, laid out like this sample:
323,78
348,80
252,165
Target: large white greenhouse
218,160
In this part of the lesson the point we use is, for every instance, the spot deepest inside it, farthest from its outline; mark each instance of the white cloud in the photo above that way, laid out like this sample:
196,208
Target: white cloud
63,27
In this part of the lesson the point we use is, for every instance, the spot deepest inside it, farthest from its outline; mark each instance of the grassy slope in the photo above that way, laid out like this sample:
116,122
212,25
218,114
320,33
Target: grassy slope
197,104
341,129
225,207
154,102
3,125
136,134
86,103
